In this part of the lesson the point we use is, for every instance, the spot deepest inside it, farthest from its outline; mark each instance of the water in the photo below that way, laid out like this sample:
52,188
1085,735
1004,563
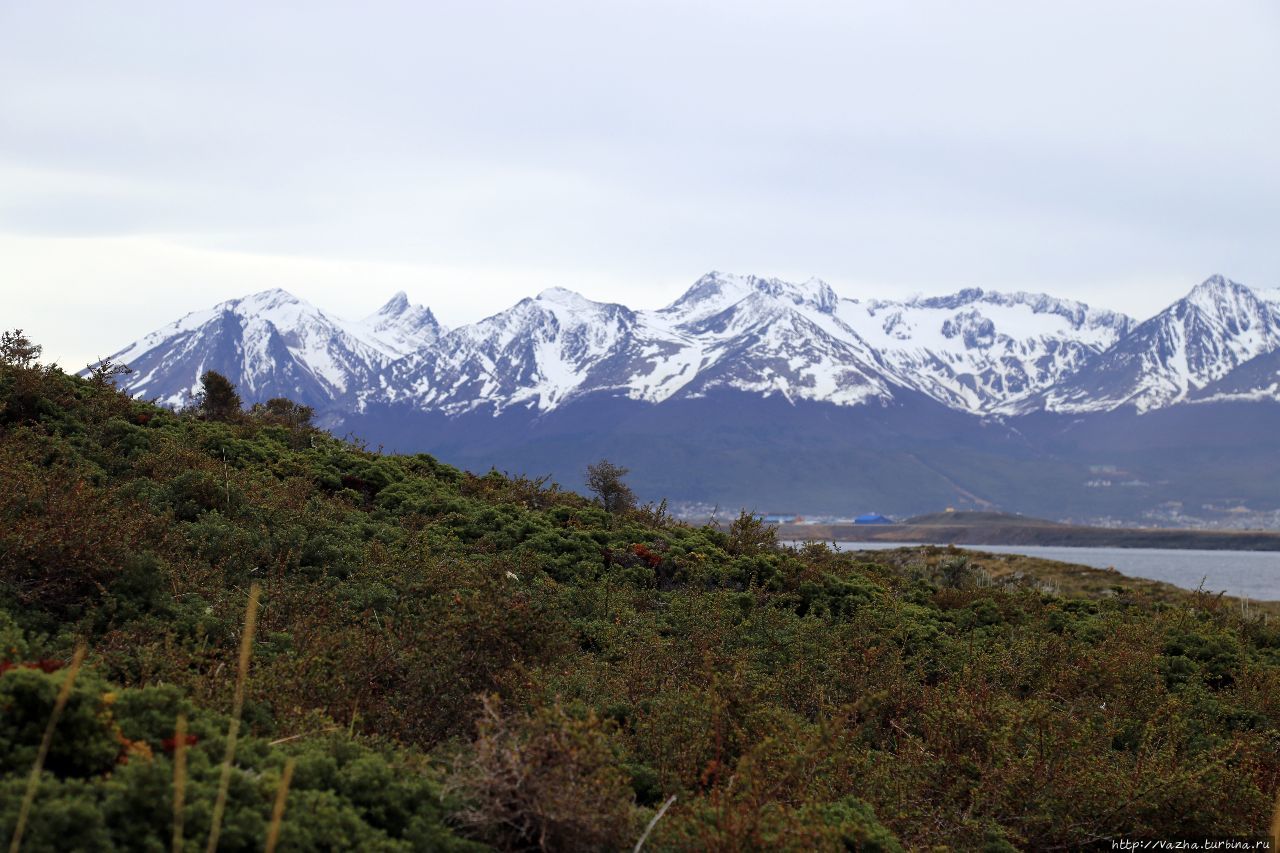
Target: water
1254,574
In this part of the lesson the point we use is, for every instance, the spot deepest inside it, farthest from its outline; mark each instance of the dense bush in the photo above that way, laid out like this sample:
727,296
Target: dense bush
109,779
457,660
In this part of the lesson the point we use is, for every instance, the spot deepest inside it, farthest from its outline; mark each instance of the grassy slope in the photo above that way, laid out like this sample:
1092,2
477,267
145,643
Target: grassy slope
462,632
1066,579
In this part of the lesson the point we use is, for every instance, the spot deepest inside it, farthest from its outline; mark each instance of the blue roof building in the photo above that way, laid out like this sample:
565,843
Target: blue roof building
872,518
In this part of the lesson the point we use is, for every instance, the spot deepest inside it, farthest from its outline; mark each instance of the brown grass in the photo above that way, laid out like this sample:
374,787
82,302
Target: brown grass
233,730
277,811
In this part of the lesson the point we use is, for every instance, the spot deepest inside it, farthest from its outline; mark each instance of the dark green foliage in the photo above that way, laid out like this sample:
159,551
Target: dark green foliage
856,825
218,400
85,746
108,784
457,660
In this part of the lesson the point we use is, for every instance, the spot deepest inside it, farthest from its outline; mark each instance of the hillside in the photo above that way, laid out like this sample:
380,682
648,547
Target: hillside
462,661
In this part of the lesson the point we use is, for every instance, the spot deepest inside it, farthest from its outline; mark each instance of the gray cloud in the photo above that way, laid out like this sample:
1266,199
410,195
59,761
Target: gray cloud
1111,152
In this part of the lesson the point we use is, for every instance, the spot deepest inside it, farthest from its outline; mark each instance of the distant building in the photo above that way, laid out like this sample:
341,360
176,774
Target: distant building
872,518
781,518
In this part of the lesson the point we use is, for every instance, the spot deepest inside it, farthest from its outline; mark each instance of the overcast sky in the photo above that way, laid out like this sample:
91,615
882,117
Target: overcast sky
156,158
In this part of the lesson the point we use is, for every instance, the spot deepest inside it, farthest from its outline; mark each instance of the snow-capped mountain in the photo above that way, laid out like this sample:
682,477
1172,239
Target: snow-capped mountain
974,351
398,328
272,344
537,353
747,389
1181,354
767,336
983,352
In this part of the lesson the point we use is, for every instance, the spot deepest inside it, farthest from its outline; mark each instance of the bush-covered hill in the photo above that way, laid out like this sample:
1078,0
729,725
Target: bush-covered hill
460,662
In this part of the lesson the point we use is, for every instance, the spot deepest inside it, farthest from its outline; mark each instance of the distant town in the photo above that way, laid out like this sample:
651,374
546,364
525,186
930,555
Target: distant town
1171,514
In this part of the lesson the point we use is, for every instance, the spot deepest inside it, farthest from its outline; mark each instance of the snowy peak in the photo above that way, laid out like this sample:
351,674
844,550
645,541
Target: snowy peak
1222,301
565,298
273,344
1195,342
717,291
540,352
399,328
273,298
396,305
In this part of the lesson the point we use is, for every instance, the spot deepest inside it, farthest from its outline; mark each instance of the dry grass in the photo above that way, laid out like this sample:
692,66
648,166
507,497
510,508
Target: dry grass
233,729
277,811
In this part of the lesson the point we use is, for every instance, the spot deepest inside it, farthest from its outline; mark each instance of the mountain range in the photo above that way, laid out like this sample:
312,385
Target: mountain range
917,390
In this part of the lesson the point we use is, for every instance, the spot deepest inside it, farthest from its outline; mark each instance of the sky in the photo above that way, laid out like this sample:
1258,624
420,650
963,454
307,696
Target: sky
157,158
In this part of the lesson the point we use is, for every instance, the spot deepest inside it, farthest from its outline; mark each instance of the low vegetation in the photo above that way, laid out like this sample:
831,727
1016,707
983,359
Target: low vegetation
463,662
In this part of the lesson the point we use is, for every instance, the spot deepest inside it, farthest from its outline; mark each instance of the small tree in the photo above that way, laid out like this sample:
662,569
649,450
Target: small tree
17,350
218,400
604,480
544,781
284,412
957,573
748,534
105,370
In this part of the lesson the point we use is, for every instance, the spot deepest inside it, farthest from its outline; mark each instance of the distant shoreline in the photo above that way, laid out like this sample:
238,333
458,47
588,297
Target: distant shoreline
1015,530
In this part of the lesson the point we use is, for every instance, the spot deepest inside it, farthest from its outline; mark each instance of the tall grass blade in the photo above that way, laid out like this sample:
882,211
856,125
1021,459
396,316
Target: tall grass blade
33,782
277,811
233,730
654,822
1275,824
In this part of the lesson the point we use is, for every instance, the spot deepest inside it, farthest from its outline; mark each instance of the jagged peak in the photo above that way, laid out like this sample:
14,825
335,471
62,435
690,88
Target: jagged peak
1217,293
1217,281
1218,284
723,289
813,291
397,304
713,284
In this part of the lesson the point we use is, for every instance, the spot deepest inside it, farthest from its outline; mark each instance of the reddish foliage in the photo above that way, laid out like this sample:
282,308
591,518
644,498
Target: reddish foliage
46,665
171,743
641,551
